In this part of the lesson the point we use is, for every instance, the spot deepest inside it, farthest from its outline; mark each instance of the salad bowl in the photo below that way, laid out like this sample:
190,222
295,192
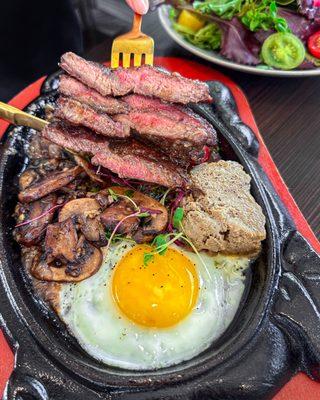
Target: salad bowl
216,58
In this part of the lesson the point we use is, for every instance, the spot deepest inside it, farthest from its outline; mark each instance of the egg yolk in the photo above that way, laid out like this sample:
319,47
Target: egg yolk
159,294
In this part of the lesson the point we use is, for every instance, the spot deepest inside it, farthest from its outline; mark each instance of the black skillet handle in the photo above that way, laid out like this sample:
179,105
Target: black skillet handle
296,308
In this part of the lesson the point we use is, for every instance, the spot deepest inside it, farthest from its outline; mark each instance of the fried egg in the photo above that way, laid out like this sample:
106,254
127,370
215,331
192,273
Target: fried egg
141,317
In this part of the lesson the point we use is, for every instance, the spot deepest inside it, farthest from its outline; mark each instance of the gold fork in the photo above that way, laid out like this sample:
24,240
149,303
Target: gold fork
133,43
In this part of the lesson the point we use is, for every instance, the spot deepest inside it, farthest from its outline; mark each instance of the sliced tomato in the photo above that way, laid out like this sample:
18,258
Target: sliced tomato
283,50
314,44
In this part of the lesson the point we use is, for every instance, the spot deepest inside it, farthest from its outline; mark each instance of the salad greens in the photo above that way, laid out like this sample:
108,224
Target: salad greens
263,15
208,37
239,28
223,8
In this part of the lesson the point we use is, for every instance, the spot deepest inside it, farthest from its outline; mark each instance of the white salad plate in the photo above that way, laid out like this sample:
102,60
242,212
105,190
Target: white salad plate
216,58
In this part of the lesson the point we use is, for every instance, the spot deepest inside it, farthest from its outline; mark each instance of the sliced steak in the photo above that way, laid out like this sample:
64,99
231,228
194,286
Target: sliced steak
129,165
161,124
129,159
146,80
48,185
180,140
73,88
175,111
80,114
177,131
74,138
39,215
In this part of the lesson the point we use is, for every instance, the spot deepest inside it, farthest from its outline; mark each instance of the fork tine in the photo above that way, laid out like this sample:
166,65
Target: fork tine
137,60
149,59
114,60
126,58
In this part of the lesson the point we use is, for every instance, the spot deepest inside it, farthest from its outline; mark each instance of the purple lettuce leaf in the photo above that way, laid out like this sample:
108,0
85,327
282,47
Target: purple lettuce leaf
298,24
262,35
307,64
309,9
238,43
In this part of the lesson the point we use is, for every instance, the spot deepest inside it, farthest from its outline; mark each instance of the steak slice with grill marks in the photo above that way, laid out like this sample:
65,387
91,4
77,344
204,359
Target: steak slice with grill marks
191,127
128,159
175,129
146,80
80,114
73,88
74,138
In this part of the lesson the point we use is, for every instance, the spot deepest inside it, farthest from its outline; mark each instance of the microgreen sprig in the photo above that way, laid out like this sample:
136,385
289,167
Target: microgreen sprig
115,197
164,197
162,242
29,221
138,213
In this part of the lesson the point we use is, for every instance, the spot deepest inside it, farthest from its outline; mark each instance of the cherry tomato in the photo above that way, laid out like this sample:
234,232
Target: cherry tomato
314,44
283,50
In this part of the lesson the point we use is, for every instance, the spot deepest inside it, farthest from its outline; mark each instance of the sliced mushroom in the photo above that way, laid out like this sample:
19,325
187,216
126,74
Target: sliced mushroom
85,212
104,198
152,225
61,242
88,263
118,212
32,232
93,230
43,148
48,291
74,208
48,185
27,178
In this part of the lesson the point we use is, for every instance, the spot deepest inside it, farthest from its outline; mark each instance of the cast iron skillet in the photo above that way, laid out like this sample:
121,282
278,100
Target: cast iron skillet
275,333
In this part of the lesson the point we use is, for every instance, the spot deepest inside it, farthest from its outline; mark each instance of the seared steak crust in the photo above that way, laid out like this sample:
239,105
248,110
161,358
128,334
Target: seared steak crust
73,88
145,80
74,138
175,111
81,114
161,124
128,159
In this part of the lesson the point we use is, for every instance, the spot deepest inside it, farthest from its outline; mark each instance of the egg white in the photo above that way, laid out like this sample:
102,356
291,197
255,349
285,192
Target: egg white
91,315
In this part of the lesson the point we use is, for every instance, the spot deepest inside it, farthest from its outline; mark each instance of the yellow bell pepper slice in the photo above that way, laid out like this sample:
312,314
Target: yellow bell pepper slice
190,20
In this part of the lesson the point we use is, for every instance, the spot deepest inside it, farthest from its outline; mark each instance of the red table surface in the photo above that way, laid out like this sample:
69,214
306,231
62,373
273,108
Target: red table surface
300,387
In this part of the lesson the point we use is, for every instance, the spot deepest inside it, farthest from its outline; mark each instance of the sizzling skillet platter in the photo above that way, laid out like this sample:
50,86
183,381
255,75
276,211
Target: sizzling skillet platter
56,262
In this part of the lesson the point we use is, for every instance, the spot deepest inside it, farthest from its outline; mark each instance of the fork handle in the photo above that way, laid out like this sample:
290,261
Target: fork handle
18,117
137,22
